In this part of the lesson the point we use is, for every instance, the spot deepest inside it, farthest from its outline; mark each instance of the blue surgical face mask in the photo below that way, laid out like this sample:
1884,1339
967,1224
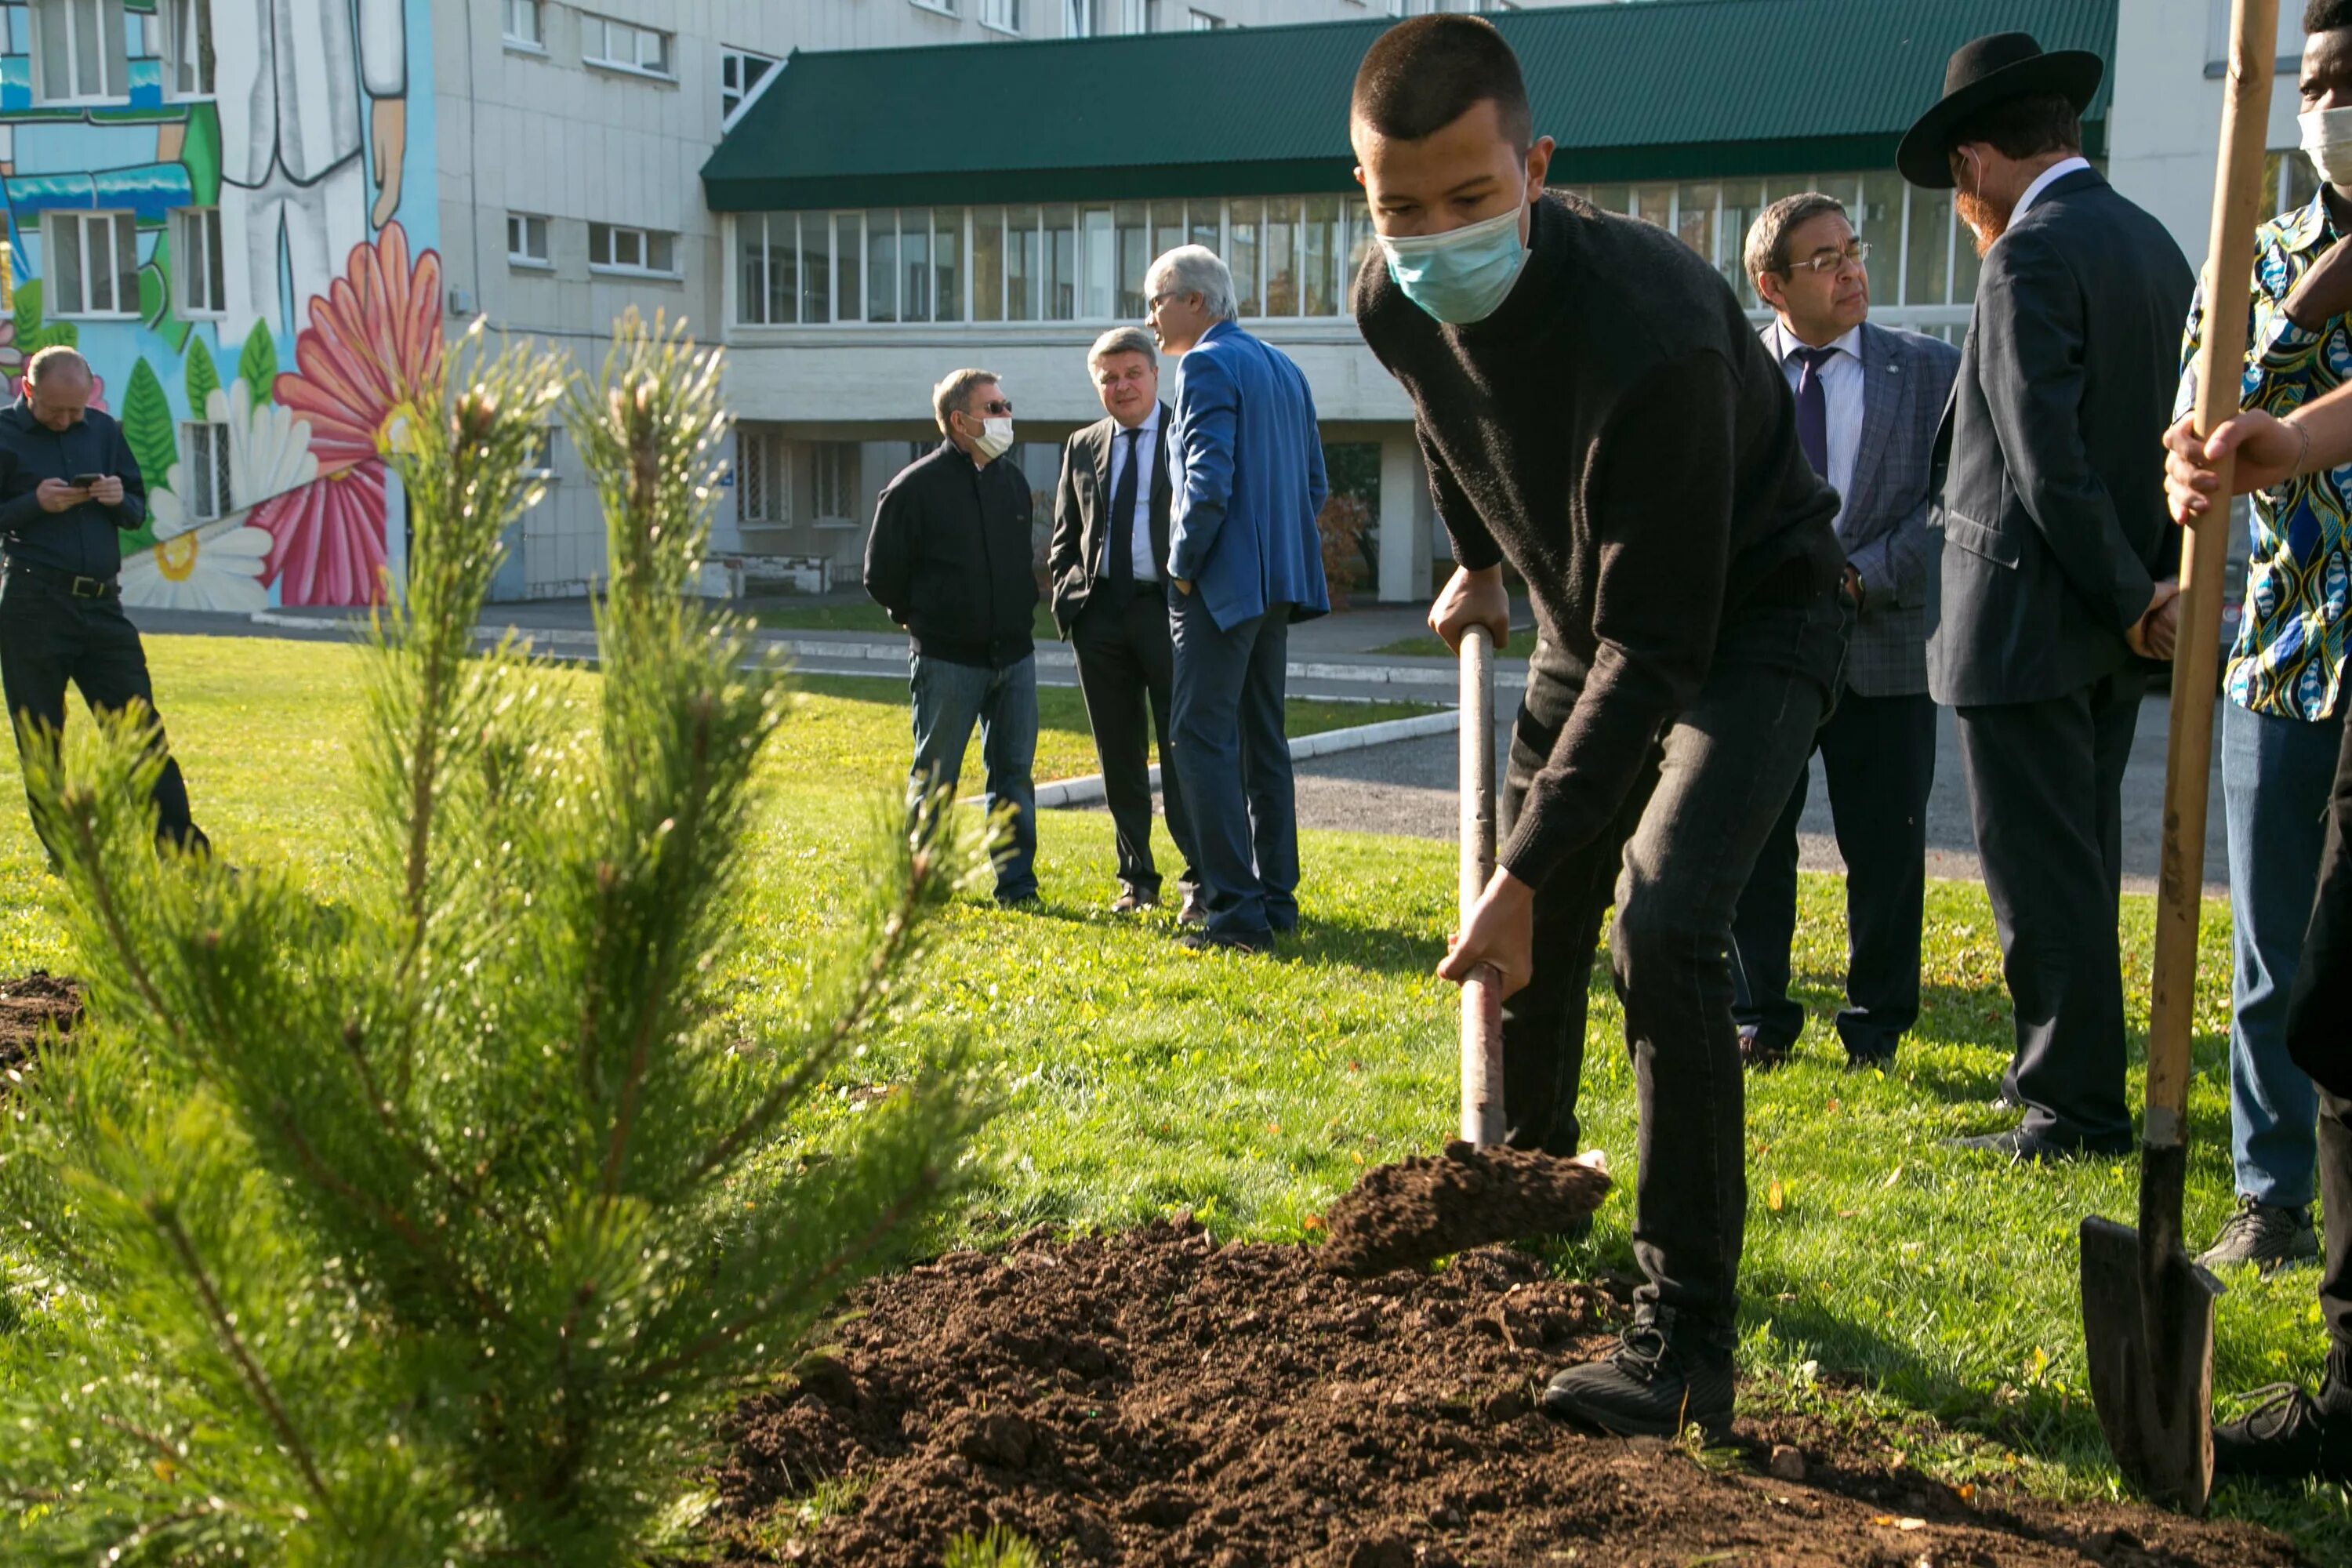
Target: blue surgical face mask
1463,275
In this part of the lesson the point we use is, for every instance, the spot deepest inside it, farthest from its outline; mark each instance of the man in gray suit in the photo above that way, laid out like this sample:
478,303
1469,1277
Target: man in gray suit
2055,538
1868,400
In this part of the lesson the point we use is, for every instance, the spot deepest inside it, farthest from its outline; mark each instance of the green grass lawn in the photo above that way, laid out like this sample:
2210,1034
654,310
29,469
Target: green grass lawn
858,616
1928,1296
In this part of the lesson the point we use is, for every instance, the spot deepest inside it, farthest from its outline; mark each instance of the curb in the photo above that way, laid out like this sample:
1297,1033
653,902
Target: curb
1087,788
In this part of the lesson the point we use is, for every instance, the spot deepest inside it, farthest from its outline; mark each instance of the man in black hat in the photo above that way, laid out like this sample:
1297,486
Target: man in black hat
2055,539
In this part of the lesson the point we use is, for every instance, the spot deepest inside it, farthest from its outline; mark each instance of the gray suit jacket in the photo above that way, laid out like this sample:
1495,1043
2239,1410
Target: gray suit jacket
1887,525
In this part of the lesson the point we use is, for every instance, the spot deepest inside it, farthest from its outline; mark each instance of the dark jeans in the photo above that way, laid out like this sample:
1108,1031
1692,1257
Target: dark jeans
948,699
2045,791
1127,671
1234,762
1677,855
2319,1038
49,637
1878,754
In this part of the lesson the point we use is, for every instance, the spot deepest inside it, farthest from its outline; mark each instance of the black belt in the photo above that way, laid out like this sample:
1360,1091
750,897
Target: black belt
65,582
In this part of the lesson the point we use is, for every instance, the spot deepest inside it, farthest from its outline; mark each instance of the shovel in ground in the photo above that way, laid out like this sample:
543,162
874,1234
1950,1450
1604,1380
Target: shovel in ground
2147,1310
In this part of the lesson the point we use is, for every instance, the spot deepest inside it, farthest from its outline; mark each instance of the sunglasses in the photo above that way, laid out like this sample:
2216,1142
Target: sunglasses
1000,407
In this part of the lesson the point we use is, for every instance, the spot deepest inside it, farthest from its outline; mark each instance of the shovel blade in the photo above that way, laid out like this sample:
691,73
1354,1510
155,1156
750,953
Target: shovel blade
2147,1331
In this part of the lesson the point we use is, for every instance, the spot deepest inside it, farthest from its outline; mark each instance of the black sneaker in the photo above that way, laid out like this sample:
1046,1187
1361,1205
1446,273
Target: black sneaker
1654,1383
2262,1235
2289,1436
1759,1053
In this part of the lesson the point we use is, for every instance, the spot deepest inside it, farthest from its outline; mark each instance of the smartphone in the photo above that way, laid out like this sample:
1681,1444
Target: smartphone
83,481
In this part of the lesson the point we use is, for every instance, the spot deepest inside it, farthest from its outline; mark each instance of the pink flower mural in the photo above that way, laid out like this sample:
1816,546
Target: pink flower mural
374,338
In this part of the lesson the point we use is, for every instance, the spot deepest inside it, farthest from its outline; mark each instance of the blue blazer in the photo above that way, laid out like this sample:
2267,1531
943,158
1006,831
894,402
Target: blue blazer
1248,463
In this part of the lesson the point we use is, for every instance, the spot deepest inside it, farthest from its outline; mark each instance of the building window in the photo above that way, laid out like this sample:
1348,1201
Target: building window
832,484
2288,182
623,46
739,70
763,476
525,24
526,240
188,47
1204,23
1003,15
1140,16
944,7
78,48
614,248
1081,19
541,464
196,244
204,471
93,264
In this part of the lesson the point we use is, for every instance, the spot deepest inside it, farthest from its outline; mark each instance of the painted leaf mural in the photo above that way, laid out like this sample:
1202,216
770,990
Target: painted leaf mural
147,426
257,366
201,377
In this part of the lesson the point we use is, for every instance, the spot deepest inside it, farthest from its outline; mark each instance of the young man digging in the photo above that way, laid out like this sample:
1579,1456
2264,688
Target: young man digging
1596,410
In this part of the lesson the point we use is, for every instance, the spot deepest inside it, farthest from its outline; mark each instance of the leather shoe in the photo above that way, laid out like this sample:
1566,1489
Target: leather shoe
2023,1148
1195,911
1757,1052
1203,940
1660,1379
1133,901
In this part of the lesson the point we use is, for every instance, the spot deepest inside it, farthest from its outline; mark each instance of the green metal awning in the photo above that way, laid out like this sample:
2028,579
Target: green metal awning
1669,90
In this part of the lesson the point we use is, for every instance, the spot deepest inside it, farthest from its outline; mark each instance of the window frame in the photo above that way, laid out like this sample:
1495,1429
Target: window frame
668,70
992,16
776,464
1205,21
534,45
523,258
629,269
182,220
744,92
218,473
113,11
842,458
83,220
174,59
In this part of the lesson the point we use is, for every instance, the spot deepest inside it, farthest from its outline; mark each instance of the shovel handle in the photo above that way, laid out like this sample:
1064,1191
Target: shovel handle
1482,993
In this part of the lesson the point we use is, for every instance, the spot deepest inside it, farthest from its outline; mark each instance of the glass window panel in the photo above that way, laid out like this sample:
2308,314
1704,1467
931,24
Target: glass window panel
1167,229
1927,259
1846,188
1324,287
947,264
661,251
1879,220
751,253
1654,203
1241,220
1022,264
1694,217
784,268
1742,201
65,261
1100,262
915,264
1280,244
882,267
216,273
988,264
1134,257
1061,257
89,79
1202,219
849,265
816,268
1359,219
1613,199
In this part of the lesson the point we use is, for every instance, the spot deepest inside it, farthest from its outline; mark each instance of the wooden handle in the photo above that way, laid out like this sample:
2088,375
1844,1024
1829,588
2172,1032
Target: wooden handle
2220,360
1482,993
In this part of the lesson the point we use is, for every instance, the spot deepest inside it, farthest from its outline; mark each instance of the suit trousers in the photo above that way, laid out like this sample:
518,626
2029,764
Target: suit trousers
2319,1038
1878,755
1127,672
2045,792
1676,856
49,638
1235,761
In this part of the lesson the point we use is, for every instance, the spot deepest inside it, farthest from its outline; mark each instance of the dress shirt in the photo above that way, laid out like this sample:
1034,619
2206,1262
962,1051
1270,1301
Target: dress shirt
1842,375
2043,182
1146,438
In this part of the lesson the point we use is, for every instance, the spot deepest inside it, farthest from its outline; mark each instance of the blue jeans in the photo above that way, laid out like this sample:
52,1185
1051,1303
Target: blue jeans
949,699
2275,777
1234,762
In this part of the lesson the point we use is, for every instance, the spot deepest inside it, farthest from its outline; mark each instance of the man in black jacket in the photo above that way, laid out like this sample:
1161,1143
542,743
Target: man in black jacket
949,558
1596,409
2056,539
68,488
1111,599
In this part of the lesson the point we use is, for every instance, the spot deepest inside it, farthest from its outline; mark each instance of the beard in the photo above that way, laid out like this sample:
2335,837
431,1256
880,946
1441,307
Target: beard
1985,221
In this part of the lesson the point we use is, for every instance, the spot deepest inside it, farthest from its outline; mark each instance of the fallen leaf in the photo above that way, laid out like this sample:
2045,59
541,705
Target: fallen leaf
1775,1197
1312,1222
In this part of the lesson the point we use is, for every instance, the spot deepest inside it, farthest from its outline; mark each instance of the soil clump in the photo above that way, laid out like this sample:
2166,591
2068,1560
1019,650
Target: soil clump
29,1005
1413,1212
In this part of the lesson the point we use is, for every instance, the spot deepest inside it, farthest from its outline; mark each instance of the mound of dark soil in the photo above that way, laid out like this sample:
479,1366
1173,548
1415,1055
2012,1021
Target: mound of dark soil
1417,1211
1153,1398
29,1004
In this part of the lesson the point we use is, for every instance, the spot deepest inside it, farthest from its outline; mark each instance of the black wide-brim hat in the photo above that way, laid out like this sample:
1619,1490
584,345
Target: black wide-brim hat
1984,71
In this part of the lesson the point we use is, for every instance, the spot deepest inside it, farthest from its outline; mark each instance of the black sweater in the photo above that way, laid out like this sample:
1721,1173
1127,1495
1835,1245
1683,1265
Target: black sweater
1617,432
82,540
950,557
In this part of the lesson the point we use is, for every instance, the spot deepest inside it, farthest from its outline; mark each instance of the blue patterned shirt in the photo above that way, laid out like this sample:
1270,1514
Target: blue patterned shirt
2287,659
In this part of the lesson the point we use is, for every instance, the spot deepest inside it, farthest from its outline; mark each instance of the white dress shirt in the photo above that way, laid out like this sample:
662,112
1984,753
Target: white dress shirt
1147,443
1842,375
2043,182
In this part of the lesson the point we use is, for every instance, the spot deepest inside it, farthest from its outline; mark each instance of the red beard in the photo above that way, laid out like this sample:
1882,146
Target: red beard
1984,220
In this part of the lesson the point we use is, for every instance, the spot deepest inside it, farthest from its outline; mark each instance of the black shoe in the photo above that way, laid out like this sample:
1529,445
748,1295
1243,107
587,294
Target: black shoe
2261,1233
1133,901
1655,1383
1195,911
1022,903
1760,1054
1199,940
2023,1148
2288,1436
1881,1060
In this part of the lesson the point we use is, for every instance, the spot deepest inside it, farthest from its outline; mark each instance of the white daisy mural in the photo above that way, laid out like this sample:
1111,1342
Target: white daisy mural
216,566
268,455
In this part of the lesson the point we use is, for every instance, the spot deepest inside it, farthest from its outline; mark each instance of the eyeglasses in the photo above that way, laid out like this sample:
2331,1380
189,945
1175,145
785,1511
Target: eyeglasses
1001,406
1853,255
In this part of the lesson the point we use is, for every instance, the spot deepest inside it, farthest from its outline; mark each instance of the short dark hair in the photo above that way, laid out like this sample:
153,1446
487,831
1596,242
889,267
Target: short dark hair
1422,76
2024,126
2326,15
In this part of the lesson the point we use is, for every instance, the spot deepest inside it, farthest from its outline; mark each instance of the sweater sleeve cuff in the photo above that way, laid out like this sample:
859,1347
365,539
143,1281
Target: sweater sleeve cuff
1476,555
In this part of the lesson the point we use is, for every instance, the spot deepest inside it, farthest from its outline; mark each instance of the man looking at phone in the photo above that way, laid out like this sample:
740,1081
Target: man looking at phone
68,487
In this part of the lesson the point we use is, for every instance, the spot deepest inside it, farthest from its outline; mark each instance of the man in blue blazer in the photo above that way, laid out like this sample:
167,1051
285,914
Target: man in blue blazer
1868,402
1246,561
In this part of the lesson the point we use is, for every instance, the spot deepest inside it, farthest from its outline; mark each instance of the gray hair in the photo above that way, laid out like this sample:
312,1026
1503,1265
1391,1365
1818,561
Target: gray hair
1122,341
1767,237
952,395
55,358
1194,270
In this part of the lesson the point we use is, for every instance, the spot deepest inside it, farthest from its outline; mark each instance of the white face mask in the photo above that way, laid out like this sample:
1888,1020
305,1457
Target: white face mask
995,437
2327,143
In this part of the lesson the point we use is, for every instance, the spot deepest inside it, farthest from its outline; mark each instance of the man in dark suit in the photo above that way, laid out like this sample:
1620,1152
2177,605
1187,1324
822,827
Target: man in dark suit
1111,599
2056,539
1868,401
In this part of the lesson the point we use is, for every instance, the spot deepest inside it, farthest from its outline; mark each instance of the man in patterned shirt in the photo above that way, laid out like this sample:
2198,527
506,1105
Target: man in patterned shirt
2283,722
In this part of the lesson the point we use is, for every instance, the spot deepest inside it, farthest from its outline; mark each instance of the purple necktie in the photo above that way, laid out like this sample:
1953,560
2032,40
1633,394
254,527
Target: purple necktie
1814,408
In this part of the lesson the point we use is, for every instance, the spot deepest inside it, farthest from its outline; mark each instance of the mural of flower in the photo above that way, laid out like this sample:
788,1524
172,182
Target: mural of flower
374,338
217,567
268,455
12,357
